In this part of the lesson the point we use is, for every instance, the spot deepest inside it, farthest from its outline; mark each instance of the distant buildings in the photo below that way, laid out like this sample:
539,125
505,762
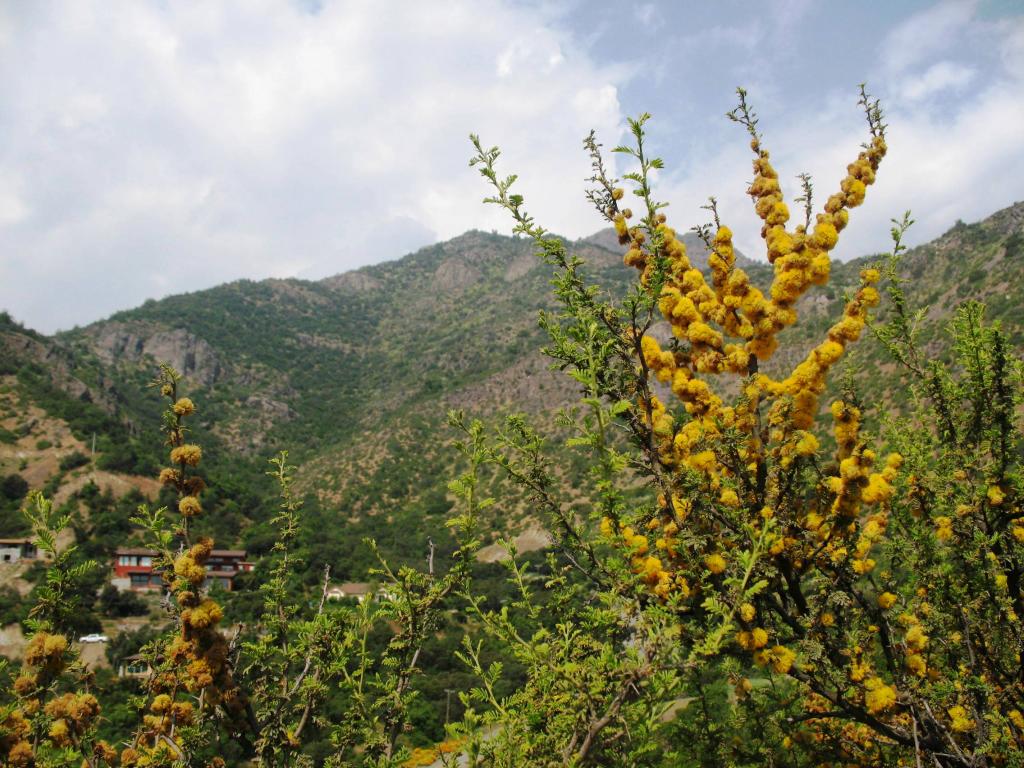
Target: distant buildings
134,666
355,589
223,564
134,568
358,591
13,550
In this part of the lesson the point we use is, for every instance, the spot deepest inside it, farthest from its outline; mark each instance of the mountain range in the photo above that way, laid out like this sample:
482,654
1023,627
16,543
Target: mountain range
353,374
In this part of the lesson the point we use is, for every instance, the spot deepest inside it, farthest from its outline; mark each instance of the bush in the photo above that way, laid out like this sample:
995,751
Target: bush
115,603
13,487
13,609
858,606
126,644
73,460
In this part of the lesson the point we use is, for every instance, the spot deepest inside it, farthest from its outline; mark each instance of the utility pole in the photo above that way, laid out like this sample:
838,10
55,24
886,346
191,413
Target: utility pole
448,704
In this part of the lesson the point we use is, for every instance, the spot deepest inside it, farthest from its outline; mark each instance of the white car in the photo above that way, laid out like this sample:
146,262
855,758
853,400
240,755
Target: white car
94,638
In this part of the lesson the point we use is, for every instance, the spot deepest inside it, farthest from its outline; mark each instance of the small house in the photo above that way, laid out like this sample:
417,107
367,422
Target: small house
134,569
223,564
13,550
134,666
357,590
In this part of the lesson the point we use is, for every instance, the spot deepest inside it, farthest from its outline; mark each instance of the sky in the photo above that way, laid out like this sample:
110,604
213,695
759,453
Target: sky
153,147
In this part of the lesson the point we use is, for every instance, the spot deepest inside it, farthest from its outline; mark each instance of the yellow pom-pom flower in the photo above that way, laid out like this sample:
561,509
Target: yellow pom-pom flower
878,696
715,563
886,600
187,454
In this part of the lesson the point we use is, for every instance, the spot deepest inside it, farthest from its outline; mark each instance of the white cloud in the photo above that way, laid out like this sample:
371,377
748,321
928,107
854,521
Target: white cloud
151,148
12,208
647,14
939,77
956,157
928,33
164,147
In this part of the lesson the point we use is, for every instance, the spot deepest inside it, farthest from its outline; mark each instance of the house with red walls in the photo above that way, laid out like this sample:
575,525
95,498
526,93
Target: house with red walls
135,568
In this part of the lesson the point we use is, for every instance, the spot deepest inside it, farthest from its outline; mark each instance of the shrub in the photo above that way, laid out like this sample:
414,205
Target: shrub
115,603
863,607
256,696
13,487
73,460
12,606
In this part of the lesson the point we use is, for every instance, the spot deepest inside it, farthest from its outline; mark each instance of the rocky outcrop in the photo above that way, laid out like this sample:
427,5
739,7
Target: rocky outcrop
296,293
58,363
324,342
269,409
454,273
352,281
184,351
520,266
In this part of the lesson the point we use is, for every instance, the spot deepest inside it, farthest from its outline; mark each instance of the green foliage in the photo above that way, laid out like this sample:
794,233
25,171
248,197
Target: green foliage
59,596
13,609
563,658
73,460
13,488
130,643
115,603
858,691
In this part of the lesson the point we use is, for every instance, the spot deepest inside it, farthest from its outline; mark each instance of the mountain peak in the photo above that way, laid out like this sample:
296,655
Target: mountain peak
695,248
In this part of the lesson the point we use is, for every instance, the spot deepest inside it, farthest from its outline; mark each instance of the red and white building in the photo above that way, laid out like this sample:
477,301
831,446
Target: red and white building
135,568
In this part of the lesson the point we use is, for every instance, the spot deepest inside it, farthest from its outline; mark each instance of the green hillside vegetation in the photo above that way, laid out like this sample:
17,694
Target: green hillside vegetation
353,374
360,370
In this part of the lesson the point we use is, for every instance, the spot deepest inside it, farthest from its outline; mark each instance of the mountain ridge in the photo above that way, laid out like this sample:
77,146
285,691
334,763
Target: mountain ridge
353,373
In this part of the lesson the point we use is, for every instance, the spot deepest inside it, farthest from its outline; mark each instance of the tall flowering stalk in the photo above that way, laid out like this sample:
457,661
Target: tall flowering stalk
192,687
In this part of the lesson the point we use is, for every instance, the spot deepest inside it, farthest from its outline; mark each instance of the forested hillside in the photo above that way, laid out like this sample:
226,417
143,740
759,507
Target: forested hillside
354,374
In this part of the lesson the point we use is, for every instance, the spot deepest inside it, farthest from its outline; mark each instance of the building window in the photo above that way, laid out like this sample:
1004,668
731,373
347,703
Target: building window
146,561
140,579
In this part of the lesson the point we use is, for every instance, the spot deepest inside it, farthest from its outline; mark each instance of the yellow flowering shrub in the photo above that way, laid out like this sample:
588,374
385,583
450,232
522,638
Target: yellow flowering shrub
193,677
780,560
753,576
260,690
42,723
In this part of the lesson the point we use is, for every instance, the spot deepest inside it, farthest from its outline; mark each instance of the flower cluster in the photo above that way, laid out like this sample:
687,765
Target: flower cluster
15,733
739,466
183,456
728,325
195,660
68,720
73,714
